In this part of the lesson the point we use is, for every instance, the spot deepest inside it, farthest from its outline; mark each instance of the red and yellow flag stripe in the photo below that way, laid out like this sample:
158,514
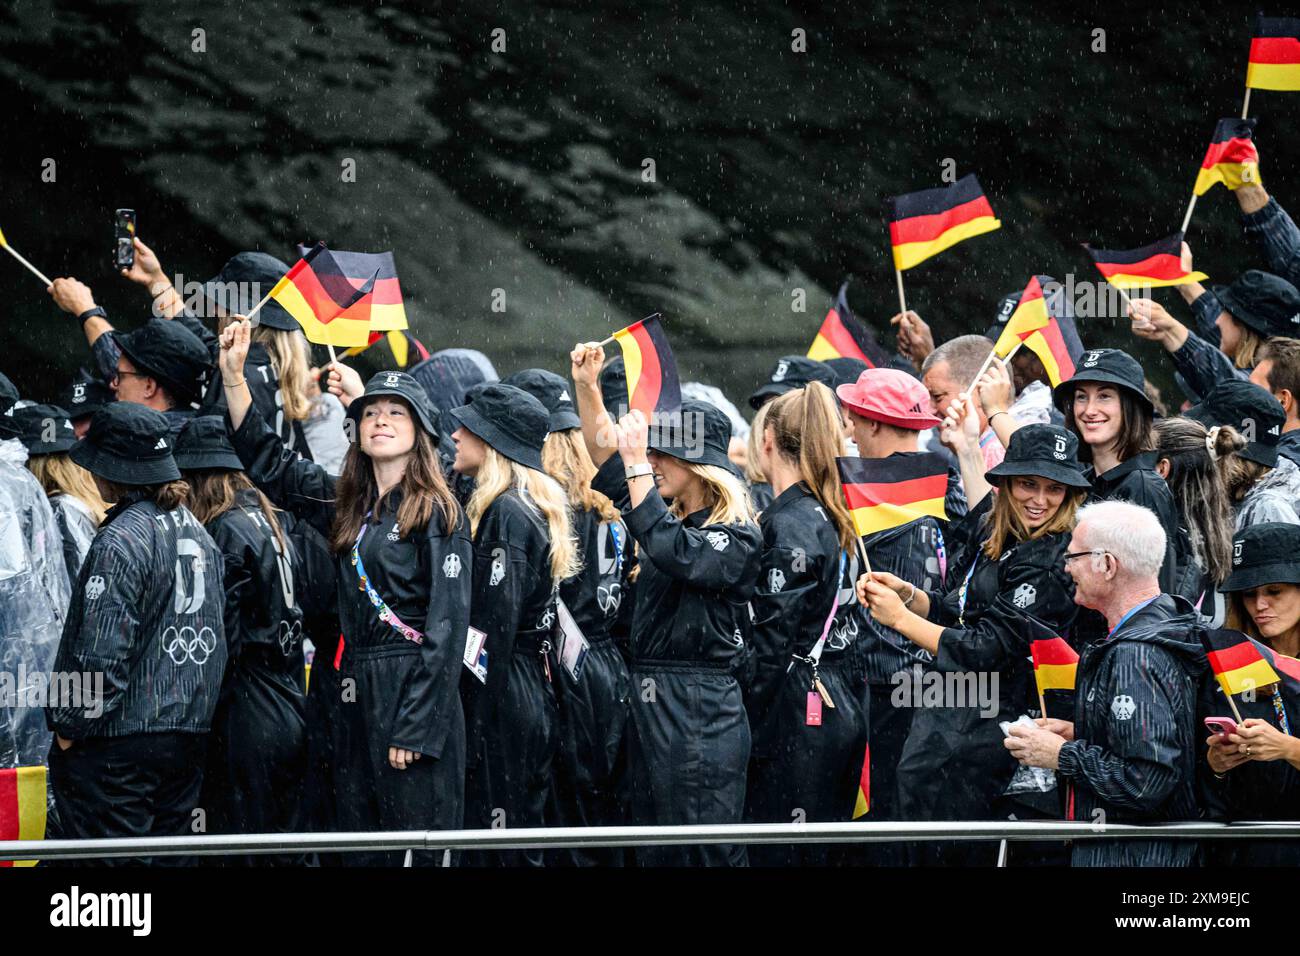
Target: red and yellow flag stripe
1275,54
925,223
1055,664
652,382
1241,667
1232,158
884,493
1159,264
22,807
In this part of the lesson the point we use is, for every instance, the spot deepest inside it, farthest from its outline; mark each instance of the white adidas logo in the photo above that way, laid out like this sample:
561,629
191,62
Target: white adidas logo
162,443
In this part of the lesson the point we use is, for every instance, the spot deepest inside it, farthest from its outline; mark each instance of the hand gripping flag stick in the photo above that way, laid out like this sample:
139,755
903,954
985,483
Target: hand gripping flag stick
31,268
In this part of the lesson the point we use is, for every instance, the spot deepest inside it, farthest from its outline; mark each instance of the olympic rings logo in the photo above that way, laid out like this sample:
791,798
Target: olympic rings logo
188,645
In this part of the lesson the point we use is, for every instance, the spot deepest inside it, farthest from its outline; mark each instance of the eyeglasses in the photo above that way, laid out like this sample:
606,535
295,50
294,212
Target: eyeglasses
119,374
1070,556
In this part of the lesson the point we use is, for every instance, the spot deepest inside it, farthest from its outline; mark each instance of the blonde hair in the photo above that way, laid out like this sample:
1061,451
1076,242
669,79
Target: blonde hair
723,493
289,357
1005,521
753,470
538,491
1248,346
60,475
566,459
807,429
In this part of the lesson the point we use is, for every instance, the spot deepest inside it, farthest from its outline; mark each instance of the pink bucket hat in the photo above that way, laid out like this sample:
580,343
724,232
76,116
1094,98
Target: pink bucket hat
891,396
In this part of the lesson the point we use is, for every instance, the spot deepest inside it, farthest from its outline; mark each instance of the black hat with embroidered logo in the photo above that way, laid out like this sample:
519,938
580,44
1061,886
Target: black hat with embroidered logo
1264,554
791,372
1249,409
1263,302
44,429
1107,367
1042,451
552,391
398,385
128,444
204,445
167,351
85,395
513,422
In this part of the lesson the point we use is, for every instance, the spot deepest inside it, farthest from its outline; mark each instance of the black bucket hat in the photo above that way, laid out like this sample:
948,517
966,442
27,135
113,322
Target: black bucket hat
1110,366
204,445
791,372
241,284
700,436
509,419
845,369
8,399
1262,302
129,444
1006,305
1044,451
613,387
1264,553
85,395
552,391
45,429
170,353
1249,409
402,386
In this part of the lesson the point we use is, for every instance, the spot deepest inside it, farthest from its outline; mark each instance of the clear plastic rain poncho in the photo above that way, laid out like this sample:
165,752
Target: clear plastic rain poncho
34,596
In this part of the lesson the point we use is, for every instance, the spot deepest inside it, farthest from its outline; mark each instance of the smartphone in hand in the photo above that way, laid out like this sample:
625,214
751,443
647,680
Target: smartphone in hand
123,239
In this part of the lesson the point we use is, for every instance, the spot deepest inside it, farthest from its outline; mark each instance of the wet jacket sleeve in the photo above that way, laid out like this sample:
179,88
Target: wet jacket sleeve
777,619
1277,237
240,564
106,353
425,706
1203,365
1138,768
105,639
1034,579
715,556
299,486
1206,307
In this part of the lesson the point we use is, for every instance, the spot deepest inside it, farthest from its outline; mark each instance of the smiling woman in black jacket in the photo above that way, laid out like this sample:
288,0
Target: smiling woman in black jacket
404,556
954,766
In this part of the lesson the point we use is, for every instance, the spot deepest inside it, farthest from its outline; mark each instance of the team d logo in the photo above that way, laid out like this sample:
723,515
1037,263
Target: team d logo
1059,451
78,393
391,379
1236,551
1090,359
782,369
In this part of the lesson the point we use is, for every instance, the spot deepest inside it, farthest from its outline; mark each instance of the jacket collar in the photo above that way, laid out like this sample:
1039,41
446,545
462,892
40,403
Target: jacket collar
132,497
1143,460
793,493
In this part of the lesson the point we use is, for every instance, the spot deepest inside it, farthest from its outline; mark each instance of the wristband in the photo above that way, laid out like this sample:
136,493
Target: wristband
995,415
638,471
90,313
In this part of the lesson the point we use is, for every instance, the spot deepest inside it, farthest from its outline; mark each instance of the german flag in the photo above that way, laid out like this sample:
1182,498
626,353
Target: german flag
1237,661
1158,264
22,807
331,309
387,309
1055,664
925,223
400,343
863,804
1055,342
1275,54
1231,159
843,335
884,493
652,383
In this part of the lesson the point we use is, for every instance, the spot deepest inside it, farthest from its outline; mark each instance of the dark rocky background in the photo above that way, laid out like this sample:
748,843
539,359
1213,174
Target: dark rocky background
522,171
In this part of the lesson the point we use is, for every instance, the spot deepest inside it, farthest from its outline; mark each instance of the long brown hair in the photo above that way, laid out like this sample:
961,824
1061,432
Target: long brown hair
1136,434
424,491
1005,522
60,475
168,496
1197,479
566,459
808,431
213,493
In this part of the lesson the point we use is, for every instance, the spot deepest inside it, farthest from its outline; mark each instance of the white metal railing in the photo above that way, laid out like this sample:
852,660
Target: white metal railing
629,836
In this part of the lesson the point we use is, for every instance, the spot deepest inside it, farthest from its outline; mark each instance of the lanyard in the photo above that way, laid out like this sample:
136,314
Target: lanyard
815,655
1128,614
965,586
1280,709
617,535
385,612
942,553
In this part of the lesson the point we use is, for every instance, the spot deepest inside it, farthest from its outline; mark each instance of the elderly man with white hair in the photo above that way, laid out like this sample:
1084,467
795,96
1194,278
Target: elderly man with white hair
1129,755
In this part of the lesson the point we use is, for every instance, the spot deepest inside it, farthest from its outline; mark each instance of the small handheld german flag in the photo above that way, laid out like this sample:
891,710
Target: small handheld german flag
1055,664
884,493
22,807
1238,662
1158,264
652,383
387,309
329,306
862,806
1274,54
1032,325
925,223
1231,159
843,335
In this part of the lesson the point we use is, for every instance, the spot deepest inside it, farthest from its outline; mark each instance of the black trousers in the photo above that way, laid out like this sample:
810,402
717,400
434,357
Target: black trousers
688,749
510,780
889,727
808,774
138,786
587,787
257,760
372,795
